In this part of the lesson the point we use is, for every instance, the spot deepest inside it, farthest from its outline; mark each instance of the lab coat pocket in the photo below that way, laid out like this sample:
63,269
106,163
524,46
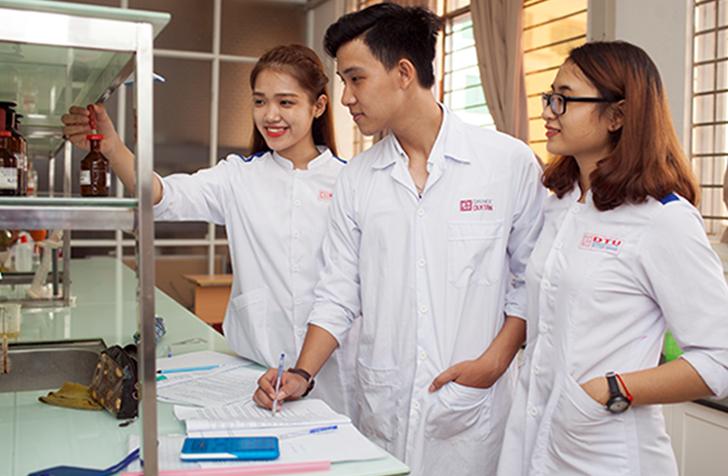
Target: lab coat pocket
377,394
458,408
585,436
475,254
251,323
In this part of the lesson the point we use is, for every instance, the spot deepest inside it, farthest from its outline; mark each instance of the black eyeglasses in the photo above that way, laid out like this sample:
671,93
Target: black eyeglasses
558,101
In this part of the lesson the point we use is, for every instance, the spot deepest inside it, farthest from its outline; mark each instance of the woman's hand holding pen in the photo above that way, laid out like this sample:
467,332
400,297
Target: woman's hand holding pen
292,387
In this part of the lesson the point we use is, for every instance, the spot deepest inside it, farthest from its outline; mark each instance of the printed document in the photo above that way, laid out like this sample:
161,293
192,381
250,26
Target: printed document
219,386
243,415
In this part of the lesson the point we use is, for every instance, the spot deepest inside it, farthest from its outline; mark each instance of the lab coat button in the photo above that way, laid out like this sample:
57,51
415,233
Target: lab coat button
423,309
299,332
534,411
545,284
421,212
296,234
416,405
575,209
543,328
296,268
423,355
297,202
536,370
298,301
422,263
558,245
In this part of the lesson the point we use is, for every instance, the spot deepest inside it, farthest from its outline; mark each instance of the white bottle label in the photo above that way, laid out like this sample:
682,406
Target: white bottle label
8,178
85,178
108,179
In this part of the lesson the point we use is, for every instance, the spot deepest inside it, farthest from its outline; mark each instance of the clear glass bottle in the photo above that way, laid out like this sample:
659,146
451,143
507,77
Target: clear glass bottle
95,176
32,175
21,149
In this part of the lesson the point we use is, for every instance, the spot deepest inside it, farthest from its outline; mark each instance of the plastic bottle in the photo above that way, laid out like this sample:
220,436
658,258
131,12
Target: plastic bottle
23,254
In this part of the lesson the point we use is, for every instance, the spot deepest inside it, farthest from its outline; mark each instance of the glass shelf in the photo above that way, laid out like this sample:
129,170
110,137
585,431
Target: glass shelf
45,79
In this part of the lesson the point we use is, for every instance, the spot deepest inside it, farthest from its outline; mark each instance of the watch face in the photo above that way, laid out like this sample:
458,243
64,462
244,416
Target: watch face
617,404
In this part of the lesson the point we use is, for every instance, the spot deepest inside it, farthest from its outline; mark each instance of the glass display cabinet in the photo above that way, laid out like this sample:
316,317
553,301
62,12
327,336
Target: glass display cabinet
53,55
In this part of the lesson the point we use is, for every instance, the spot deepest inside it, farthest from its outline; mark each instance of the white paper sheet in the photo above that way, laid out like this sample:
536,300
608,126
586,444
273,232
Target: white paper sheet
341,445
220,386
247,414
338,446
202,358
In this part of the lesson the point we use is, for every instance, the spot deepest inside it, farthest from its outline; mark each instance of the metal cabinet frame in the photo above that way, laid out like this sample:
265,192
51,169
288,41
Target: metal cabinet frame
73,26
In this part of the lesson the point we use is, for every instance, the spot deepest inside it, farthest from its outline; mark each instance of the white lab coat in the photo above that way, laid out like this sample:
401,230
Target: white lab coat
602,288
432,279
275,218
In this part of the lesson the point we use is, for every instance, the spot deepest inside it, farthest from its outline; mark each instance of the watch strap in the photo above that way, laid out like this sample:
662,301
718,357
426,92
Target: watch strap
613,385
309,379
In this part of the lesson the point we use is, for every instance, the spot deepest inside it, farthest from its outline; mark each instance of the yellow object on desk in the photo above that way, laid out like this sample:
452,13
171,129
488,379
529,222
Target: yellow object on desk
212,293
72,395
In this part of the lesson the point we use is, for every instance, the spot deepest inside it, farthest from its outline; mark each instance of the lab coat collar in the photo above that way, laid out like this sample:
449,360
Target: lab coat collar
450,143
324,156
576,194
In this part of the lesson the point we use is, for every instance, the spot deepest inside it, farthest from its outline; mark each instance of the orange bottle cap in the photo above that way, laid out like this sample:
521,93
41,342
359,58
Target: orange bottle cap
95,137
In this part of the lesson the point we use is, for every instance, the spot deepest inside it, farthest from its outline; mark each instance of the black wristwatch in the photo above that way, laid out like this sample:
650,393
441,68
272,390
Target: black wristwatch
617,402
309,379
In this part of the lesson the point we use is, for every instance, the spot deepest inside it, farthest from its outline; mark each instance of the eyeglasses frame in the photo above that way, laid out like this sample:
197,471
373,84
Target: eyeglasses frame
546,101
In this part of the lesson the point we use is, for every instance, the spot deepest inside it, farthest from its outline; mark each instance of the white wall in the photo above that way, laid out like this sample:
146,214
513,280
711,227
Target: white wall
664,29
322,15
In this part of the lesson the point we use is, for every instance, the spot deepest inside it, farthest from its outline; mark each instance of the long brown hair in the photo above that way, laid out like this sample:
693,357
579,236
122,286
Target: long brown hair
305,66
646,158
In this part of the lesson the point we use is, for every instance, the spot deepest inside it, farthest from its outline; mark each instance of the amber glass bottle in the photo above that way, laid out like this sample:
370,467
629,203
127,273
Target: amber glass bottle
95,173
8,166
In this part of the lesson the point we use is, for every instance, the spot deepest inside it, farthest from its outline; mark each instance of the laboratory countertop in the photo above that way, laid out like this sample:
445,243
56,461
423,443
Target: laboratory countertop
34,436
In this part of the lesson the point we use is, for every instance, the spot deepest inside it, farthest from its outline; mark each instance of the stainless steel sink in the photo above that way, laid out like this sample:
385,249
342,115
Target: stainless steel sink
47,365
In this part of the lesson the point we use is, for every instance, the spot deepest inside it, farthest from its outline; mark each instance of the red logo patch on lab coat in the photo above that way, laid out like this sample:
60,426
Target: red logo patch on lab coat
324,196
594,242
476,205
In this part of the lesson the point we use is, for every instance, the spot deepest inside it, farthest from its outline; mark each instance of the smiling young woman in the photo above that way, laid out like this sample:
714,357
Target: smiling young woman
622,255
644,157
273,203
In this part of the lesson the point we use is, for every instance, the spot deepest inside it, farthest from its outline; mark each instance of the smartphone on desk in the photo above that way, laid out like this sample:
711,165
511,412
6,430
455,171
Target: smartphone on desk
230,448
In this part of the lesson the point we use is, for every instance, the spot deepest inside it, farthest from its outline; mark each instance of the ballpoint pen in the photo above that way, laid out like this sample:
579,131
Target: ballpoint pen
278,385
188,369
313,431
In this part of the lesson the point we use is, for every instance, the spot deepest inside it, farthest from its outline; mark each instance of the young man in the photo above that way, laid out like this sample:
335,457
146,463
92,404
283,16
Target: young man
429,234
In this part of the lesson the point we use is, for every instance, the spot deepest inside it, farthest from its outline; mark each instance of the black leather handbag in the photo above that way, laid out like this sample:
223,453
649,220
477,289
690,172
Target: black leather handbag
115,383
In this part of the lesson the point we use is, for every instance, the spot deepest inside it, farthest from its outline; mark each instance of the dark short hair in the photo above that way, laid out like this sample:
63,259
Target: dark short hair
646,157
391,32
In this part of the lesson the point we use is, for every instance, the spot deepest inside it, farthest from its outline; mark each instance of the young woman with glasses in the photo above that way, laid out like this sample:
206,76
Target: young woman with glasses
623,255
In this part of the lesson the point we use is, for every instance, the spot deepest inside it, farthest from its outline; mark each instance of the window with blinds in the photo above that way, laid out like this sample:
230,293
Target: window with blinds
462,90
710,109
551,28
